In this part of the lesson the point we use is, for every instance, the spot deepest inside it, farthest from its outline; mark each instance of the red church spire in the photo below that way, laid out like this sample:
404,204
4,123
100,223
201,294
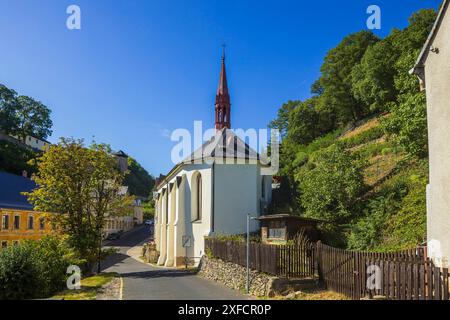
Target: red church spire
223,105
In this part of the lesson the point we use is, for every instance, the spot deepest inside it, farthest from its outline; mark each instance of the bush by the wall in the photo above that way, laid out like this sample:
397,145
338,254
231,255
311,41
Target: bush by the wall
20,273
35,269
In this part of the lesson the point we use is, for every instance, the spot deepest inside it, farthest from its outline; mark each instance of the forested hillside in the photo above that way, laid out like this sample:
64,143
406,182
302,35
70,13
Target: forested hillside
355,153
139,181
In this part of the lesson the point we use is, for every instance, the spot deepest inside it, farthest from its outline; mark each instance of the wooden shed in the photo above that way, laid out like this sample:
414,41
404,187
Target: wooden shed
279,228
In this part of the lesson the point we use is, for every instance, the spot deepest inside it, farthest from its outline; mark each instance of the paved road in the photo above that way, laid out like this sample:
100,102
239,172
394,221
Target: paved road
144,282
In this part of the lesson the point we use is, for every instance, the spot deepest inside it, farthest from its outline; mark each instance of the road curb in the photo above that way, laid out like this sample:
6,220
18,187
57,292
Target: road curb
121,289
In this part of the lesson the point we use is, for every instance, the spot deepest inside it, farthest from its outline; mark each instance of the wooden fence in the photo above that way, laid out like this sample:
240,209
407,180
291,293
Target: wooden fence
402,275
291,261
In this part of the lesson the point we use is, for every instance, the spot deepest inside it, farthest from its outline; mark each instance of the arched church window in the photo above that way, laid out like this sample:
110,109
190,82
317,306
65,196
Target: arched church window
197,197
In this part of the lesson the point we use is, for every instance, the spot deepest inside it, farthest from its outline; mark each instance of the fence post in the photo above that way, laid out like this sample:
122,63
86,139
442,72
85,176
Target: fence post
319,260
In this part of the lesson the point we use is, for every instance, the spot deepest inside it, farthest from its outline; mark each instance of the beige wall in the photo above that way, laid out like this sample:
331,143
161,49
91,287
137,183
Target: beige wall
437,77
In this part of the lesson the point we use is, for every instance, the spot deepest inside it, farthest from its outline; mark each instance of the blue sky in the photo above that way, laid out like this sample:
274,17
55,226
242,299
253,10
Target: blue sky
139,69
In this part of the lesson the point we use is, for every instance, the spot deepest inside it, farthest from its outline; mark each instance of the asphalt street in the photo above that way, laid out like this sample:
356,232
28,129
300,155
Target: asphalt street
144,282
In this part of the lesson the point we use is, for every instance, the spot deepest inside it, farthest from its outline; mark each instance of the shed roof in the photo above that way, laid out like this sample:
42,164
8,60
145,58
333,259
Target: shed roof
288,216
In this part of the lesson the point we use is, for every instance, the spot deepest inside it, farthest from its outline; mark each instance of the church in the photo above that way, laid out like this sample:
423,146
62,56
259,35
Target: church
211,192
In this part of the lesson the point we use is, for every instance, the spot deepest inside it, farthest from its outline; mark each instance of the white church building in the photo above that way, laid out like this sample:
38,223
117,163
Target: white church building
211,192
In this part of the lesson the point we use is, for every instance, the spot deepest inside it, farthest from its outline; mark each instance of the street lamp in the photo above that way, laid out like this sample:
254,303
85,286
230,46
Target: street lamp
247,287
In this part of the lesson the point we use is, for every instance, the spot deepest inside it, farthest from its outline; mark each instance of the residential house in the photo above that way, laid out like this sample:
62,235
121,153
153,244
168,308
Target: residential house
433,70
18,220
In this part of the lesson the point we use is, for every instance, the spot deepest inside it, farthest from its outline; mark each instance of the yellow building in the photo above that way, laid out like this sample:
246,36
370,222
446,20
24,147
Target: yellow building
18,220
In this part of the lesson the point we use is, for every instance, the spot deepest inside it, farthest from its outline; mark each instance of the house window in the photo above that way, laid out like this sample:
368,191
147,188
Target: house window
5,222
4,244
16,243
30,222
41,224
277,230
16,222
197,198
263,188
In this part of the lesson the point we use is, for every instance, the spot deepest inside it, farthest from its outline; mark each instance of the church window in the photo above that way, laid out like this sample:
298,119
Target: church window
197,197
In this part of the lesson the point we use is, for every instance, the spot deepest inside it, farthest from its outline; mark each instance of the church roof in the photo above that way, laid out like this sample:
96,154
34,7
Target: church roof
225,147
225,144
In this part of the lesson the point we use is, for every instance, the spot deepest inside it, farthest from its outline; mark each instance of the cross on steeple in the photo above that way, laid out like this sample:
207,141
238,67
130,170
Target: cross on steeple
223,105
224,45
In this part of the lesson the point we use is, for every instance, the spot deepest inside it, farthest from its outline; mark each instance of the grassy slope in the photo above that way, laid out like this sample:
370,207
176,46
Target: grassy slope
392,211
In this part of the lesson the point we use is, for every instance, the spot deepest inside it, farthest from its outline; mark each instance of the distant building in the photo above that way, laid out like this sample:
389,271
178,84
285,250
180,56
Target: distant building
18,220
34,143
433,70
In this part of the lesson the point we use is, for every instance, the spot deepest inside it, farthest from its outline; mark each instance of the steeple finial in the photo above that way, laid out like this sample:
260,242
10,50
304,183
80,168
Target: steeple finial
224,45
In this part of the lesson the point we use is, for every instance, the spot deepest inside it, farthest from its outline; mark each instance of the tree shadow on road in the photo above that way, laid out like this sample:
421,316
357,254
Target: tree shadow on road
158,274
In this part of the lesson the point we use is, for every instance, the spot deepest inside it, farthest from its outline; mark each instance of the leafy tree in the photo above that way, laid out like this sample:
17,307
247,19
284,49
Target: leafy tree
373,78
303,123
282,120
149,210
335,81
15,159
139,181
330,189
407,124
84,186
7,109
33,118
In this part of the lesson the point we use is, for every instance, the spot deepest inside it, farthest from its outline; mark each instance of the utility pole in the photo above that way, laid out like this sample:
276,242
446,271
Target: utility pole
247,287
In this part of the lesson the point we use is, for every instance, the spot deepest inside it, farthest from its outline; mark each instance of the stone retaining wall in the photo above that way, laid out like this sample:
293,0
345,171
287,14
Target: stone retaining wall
235,276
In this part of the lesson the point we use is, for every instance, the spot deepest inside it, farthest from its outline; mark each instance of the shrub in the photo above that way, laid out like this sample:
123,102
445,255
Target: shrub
35,269
20,273
330,190
53,256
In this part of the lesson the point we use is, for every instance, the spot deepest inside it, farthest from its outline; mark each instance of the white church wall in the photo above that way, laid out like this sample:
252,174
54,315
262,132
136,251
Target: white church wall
236,195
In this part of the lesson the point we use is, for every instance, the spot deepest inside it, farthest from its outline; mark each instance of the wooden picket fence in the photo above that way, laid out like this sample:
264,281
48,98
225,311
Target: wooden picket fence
290,261
402,275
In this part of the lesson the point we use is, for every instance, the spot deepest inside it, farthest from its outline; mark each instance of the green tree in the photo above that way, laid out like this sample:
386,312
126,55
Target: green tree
330,189
282,121
373,78
33,118
8,104
335,82
139,181
84,186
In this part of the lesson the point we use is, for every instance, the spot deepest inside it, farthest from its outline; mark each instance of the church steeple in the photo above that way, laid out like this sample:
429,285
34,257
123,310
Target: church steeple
223,105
